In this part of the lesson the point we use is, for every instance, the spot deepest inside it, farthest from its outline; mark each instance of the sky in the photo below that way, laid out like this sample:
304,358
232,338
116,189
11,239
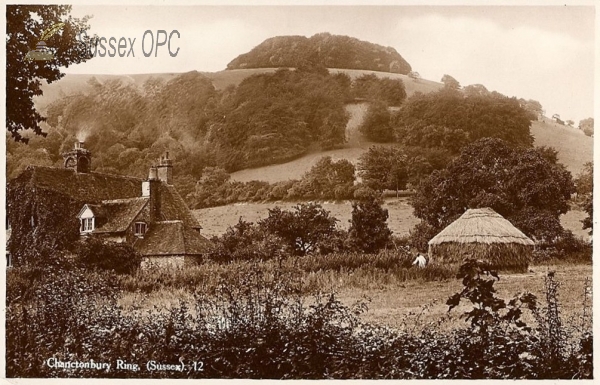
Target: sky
545,53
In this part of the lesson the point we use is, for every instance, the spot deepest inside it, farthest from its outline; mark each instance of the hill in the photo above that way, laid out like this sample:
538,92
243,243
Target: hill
574,147
74,83
323,49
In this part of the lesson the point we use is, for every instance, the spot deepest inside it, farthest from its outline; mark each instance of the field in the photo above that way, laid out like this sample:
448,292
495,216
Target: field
392,306
216,220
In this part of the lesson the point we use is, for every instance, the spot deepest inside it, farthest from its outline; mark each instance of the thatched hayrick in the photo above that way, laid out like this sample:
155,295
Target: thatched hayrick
483,234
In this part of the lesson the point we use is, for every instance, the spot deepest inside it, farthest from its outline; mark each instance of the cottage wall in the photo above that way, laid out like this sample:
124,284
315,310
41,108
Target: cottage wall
171,261
176,261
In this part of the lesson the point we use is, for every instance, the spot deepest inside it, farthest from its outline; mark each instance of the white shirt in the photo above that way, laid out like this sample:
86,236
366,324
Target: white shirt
420,261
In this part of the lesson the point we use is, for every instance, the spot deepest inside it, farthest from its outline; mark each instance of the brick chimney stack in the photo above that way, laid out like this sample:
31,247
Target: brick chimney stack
151,188
79,158
165,169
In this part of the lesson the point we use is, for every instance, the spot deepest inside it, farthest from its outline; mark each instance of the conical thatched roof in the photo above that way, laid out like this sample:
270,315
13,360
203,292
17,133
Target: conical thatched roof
481,226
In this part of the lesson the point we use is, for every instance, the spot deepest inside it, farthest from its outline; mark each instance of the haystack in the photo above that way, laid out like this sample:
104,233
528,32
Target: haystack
483,234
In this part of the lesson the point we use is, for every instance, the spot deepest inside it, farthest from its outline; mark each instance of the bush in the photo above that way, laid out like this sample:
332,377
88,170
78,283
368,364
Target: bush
259,322
96,253
368,230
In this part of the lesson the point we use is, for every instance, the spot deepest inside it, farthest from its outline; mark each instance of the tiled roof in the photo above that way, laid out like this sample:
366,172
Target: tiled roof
118,213
173,206
116,200
89,187
172,238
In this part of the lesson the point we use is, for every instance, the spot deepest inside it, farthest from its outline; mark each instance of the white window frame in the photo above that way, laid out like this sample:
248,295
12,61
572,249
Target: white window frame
143,227
87,225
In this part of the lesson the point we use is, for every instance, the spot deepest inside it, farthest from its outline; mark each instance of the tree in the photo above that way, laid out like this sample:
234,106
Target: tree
450,120
520,184
25,25
585,194
450,82
383,168
476,90
213,178
303,229
533,107
376,126
373,88
587,126
369,231
414,75
557,119
328,179
570,122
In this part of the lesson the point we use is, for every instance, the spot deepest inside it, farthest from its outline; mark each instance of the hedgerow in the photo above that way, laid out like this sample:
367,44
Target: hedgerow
260,323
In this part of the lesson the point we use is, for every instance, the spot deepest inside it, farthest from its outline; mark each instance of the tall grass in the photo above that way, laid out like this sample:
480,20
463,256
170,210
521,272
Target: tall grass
260,323
324,272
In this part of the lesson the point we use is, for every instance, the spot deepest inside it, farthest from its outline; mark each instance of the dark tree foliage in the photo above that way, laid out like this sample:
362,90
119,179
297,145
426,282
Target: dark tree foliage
585,194
327,179
95,253
24,27
368,230
273,118
450,120
384,168
324,49
267,119
303,229
245,241
385,90
376,126
476,90
41,222
522,185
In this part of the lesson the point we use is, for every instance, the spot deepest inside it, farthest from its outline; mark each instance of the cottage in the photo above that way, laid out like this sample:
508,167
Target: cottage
483,234
60,205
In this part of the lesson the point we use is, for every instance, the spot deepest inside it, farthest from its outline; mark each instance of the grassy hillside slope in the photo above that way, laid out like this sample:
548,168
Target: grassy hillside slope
574,147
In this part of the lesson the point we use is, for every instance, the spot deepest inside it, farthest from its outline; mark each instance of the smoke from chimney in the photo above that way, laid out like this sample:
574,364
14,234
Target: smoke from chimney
83,133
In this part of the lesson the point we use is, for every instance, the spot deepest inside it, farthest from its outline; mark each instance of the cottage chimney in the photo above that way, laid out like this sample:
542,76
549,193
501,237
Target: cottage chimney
165,169
151,188
79,158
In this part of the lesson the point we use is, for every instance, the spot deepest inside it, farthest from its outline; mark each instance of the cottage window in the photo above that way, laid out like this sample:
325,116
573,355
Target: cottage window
87,225
140,228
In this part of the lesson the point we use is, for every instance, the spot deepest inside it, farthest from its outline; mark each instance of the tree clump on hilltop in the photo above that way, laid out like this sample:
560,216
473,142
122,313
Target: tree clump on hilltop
323,49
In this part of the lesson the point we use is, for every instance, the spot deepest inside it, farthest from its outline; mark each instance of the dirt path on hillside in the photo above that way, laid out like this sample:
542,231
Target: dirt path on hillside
357,113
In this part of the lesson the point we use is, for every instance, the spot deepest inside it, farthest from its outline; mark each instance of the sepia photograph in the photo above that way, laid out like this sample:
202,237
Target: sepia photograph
296,191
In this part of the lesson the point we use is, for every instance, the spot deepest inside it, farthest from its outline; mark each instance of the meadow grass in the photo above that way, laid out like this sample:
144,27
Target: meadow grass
392,305
216,220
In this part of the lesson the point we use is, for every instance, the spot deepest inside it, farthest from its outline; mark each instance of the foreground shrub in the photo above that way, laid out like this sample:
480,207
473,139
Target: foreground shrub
259,323
118,257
